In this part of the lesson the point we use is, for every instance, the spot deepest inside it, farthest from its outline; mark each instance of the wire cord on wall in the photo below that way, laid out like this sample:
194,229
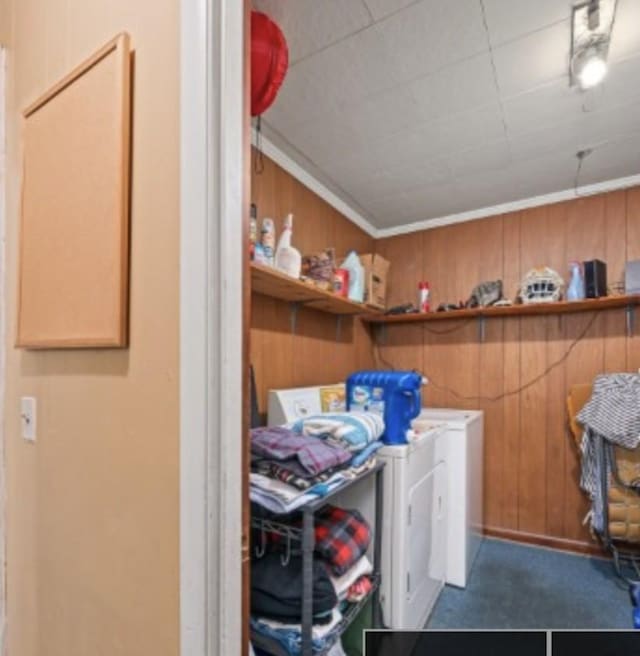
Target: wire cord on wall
378,357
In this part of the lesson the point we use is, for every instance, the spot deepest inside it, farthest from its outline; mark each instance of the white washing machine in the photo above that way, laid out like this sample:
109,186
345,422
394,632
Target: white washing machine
464,455
413,530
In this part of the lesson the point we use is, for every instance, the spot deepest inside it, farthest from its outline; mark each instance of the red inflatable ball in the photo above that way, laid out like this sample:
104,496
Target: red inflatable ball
269,62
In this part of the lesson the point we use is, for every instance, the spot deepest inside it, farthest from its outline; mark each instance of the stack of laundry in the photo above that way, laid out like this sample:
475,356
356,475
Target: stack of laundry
292,465
341,575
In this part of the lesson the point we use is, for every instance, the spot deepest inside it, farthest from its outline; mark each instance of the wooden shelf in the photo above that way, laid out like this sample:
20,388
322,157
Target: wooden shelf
561,307
269,282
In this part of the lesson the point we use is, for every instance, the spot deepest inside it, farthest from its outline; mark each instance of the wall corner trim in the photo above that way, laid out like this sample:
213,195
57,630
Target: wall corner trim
514,206
211,165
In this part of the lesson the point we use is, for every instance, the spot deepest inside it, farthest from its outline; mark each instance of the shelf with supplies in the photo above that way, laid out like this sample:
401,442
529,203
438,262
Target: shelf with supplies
628,302
301,537
271,282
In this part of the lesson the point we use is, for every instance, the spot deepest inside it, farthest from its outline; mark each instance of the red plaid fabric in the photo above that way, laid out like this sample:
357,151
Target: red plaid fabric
342,537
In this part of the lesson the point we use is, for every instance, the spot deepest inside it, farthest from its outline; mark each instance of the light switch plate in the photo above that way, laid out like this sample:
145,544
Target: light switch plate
28,417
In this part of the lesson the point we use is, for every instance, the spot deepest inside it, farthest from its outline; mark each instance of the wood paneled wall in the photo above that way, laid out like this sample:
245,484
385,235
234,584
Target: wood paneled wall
320,351
526,364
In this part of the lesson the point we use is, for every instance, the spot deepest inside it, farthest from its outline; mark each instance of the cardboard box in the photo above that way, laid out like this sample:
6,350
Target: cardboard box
376,273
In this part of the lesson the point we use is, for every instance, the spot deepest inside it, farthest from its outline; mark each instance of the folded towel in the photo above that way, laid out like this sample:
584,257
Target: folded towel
281,498
361,457
350,430
344,582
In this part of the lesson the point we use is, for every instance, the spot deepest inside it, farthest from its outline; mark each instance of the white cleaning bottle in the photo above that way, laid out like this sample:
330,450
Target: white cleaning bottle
356,277
288,259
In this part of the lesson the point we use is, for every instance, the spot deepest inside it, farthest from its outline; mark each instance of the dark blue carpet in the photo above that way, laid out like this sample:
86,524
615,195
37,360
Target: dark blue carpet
517,587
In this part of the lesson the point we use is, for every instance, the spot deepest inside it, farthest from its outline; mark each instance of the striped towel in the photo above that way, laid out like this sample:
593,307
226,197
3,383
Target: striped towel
350,430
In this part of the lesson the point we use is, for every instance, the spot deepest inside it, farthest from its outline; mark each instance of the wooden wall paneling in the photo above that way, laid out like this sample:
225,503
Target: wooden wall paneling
466,246
312,219
263,189
615,338
402,348
318,352
436,260
586,231
271,346
491,385
490,376
511,367
555,433
284,198
633,253
405,253
511,269
532,487
346,237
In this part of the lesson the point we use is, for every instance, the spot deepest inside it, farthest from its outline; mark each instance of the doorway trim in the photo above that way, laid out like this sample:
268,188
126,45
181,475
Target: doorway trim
3,314
211,283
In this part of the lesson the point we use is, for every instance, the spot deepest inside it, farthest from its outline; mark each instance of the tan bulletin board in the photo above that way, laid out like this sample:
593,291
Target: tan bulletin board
74,241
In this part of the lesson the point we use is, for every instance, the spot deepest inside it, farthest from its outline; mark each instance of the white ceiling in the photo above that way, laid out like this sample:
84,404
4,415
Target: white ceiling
413,110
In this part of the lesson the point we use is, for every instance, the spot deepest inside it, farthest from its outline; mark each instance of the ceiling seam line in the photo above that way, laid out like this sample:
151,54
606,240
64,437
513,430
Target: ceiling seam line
371,17
364,29
495,74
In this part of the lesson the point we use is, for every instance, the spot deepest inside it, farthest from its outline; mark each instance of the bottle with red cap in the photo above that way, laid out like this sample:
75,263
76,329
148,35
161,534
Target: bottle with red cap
423,296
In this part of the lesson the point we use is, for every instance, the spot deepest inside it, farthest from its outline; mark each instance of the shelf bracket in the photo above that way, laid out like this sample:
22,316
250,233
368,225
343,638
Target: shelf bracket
380,333
631,316
338,327
294,306
481,328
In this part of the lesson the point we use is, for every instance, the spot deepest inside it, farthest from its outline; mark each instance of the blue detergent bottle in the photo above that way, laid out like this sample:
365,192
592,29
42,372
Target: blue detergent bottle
396,395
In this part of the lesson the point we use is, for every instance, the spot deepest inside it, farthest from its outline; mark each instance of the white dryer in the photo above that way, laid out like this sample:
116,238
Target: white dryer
464,455
414,530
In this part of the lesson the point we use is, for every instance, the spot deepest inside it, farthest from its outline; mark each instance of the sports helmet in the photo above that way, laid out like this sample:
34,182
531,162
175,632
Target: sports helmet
541,285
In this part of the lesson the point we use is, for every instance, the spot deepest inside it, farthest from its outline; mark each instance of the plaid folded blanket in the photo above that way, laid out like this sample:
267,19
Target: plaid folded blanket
342,537
313,454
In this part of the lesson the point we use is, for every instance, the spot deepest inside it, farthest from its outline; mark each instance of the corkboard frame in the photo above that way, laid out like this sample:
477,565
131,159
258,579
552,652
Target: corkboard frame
73,274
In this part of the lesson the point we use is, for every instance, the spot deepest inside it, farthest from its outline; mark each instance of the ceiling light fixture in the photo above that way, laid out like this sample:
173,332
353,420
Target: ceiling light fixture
590,66
591,26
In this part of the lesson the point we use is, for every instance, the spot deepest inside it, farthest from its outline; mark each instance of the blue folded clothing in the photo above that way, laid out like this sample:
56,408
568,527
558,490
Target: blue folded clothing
362,456
290,638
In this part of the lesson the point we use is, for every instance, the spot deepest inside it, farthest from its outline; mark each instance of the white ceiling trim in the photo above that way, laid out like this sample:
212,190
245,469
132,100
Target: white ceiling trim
514,206
309,181
299,173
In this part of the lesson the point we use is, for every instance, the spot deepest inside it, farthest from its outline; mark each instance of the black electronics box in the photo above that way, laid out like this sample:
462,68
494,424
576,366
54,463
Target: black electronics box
595,278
